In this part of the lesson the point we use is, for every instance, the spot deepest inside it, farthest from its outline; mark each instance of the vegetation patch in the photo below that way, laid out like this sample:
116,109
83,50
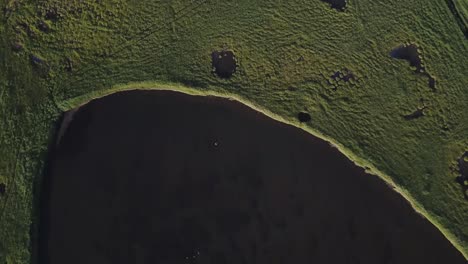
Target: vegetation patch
463,169
459,9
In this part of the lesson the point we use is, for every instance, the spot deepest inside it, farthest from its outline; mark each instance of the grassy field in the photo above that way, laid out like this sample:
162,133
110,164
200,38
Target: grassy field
462,6
459,9
55,54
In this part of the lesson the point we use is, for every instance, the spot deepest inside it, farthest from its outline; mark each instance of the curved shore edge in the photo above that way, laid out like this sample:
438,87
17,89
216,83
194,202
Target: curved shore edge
77,102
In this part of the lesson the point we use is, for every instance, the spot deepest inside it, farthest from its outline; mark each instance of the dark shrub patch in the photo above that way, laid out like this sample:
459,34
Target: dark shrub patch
463,169
40,65
2,188
68,65
339,78
432,82
344,75
416,114
37,61
17,47
224,63
52,14
43,26
303,117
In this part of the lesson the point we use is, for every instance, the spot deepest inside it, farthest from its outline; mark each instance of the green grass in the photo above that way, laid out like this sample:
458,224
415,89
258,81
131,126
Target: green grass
459,9
462,7
111,48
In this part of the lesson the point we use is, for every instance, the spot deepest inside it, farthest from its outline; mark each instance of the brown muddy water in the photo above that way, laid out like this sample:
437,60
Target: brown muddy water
163,177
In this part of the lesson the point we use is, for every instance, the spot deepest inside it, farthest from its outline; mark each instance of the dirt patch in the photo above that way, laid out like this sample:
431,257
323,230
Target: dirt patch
137,178
2,189
463,169
224,63
339,5
410,53
303,117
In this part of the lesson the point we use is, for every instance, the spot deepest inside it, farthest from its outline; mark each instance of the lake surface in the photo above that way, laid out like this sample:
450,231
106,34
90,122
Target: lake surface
163,177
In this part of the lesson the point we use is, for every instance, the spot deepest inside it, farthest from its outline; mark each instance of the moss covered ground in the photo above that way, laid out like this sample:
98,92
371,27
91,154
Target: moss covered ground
57,54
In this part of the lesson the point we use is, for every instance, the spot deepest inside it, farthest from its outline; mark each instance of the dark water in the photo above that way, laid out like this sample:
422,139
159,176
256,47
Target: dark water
162,177
224,63
411,54
339,5
304,117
